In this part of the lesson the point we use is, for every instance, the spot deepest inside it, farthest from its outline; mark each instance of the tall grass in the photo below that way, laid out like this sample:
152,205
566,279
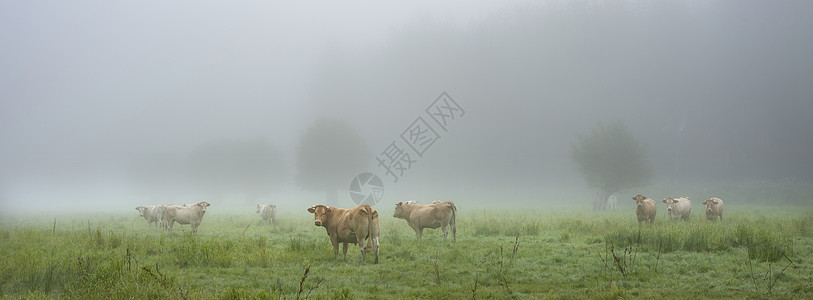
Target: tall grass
498,255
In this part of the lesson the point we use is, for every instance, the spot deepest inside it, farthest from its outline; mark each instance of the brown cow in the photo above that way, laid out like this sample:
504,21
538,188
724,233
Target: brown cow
714,208
645,209
420,216
348,226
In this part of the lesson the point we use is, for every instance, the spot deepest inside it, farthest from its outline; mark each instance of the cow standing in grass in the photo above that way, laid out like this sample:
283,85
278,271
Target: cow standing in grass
678,208
185,215
152,213
268,213
612,201
714,208
645,209
420,216
345,226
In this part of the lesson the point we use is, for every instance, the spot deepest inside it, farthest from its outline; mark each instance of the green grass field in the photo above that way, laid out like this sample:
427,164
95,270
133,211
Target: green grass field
758,252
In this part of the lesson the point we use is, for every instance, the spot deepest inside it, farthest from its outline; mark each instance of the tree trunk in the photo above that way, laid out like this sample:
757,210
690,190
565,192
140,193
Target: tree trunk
600,203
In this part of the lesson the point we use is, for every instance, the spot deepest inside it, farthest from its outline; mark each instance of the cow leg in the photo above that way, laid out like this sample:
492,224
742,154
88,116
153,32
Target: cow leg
445,232
360,240
418,231
369,244
361,246
335,241
375,248
344,250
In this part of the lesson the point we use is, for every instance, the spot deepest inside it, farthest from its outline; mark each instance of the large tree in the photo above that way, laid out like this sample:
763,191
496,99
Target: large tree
329,155
611,159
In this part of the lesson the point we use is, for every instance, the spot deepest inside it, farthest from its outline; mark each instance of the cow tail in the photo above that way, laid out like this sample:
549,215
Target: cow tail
370,216
453,221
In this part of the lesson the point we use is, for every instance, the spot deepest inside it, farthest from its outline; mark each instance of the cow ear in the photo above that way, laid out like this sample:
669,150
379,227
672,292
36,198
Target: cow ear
399,204
311,210
716,202
327,209
664,200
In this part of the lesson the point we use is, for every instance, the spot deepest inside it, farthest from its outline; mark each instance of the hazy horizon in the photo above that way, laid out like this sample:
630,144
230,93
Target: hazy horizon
718,92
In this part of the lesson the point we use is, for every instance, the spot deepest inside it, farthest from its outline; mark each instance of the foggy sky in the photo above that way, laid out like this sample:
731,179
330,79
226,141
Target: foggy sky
86,86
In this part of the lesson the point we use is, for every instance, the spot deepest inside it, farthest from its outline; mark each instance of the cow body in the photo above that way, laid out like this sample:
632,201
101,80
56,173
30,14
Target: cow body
645,209
678,208
612,201
152,213
349,226
185,215
420,216
714,208
268,213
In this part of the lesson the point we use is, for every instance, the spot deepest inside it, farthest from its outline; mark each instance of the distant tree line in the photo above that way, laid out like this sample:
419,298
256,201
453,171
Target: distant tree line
328,156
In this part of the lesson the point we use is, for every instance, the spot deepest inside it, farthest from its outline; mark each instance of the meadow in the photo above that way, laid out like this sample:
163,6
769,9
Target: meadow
758,252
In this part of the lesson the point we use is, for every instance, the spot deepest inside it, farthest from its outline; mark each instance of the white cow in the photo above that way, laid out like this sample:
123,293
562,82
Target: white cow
612,201
268,213
152,213
185,215
678,208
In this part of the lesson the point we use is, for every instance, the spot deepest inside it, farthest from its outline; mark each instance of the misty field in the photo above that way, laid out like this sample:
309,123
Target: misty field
758,252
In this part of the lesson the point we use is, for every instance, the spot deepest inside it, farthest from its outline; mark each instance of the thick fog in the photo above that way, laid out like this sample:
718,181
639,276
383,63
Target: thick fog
113,105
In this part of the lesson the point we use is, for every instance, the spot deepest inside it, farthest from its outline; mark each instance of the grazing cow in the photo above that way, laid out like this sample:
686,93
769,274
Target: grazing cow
268,213
645,209
679,208
185,215
345,226
714,208
152,213
420,216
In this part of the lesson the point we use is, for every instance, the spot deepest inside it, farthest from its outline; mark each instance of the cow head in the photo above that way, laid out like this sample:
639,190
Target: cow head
320,214
141,210
669,203
399,210
710,203
204,205
638,199
259,206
